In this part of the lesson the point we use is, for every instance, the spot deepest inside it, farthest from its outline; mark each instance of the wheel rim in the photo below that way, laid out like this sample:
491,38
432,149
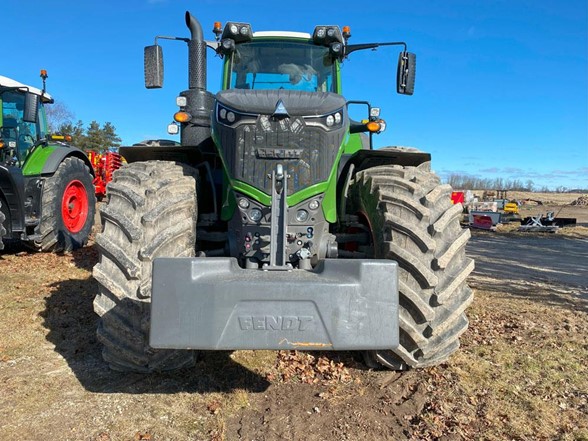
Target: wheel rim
74,206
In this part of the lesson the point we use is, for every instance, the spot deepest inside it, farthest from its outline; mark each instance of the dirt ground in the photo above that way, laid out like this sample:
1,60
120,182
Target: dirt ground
521,373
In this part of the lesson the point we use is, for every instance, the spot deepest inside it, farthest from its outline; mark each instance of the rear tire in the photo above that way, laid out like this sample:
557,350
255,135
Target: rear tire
68,208
412,221
151,212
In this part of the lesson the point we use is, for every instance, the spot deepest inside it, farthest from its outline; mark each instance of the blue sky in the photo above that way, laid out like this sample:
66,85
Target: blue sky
502,86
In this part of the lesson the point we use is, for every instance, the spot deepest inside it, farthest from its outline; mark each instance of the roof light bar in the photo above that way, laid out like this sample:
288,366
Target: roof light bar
325,35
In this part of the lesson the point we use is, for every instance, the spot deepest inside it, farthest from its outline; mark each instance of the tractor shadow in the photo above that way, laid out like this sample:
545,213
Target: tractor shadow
71,322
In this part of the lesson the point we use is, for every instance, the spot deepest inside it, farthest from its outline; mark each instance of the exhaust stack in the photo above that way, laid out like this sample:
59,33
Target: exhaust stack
196,54
200,102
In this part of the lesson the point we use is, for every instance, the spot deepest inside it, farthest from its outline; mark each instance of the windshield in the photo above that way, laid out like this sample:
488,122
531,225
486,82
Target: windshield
282,65
17,135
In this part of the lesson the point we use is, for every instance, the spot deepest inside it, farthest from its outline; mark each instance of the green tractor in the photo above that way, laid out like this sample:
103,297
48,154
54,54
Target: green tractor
46,194
275,224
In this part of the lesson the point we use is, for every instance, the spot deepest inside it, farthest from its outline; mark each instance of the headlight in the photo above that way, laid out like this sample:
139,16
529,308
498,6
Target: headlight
226,116
330,121
243,203
301,216
314,204
234,29
229,117
255,214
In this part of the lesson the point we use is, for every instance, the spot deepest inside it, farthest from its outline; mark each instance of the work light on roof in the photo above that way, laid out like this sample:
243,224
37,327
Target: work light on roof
239,32
227,46
336,49
325,35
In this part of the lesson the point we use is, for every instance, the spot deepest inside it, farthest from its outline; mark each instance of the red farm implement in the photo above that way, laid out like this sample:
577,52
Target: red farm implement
104,166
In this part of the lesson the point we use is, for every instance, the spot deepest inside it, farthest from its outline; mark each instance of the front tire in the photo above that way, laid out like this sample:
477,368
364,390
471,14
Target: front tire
68,208
411,220
151,212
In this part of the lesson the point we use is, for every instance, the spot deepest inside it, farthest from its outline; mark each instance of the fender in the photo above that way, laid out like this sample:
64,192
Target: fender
44,160
12,194
363,159
62,152
350,164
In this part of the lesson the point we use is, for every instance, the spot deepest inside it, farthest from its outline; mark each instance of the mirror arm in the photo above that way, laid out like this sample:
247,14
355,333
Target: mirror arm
360,47
163,37
214,45
211,44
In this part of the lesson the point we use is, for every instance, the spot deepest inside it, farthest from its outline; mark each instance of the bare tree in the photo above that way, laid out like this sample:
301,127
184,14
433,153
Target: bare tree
58,115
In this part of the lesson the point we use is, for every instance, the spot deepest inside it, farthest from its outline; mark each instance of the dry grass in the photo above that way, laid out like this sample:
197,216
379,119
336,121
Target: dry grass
521,374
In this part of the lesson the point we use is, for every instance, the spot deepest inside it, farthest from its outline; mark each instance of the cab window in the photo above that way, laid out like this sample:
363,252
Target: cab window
282,65
14,131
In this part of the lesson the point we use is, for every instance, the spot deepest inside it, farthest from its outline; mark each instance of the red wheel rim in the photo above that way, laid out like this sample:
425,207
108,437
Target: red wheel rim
74,206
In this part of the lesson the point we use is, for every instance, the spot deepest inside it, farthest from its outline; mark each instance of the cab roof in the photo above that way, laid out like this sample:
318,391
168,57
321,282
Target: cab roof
278,34
9,82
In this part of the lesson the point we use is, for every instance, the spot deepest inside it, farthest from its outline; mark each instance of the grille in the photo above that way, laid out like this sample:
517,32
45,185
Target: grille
253,149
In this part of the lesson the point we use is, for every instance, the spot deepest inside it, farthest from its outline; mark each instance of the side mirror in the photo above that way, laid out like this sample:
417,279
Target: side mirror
405,75
31,107
153,67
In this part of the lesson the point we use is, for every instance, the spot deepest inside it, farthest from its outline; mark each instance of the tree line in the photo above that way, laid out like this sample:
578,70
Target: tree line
93,137
468,182
474,183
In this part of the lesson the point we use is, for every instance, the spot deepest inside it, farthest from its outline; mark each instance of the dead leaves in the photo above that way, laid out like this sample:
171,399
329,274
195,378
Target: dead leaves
306,368
214,407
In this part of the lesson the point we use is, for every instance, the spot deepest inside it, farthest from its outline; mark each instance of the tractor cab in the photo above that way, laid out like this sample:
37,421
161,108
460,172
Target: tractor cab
22,120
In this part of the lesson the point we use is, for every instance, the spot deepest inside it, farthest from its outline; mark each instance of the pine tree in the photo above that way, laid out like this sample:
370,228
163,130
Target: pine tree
94,140
111,139
76,131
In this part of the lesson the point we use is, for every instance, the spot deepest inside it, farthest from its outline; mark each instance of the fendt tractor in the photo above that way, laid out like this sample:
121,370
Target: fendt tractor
276,224
46,193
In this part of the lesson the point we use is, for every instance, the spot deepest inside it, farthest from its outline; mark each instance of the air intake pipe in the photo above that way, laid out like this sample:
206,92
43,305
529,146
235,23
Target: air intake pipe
199,101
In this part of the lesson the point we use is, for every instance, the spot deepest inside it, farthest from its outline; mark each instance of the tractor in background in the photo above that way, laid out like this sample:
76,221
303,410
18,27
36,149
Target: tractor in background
46,194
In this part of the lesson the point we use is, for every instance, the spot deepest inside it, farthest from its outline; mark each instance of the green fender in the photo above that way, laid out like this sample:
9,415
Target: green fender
44,160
